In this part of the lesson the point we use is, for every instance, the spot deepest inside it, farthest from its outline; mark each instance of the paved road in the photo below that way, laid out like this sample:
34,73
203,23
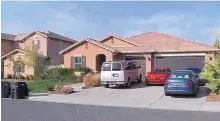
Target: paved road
23,110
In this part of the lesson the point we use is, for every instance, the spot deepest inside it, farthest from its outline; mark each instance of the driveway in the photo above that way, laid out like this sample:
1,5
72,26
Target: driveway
139,96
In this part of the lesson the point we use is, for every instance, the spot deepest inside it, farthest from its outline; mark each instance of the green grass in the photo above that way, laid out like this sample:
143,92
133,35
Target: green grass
41,85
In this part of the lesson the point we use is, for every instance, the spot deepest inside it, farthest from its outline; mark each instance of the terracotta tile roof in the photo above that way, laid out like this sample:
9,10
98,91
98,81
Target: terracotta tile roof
7,36
50,34
56,36
167,43
93,41
123,39
133,49
101,44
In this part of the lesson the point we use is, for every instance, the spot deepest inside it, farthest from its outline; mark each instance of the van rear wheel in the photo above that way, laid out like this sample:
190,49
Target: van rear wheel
128,85
106,85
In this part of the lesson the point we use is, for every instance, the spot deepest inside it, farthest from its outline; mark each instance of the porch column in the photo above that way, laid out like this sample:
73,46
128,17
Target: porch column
149,62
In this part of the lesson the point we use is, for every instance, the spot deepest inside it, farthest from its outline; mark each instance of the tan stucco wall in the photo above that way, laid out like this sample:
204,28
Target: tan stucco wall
90,54
117,42
42,43
208,57
8,66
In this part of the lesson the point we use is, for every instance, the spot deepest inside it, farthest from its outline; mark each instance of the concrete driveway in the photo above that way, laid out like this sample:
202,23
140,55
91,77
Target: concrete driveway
139,96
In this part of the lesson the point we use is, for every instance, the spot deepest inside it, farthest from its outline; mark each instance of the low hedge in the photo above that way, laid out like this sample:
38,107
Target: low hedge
63,74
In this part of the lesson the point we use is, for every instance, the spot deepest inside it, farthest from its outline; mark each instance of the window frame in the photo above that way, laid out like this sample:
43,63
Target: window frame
81,64
36,45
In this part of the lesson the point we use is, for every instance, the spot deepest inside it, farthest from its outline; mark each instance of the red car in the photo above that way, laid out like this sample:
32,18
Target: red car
157,76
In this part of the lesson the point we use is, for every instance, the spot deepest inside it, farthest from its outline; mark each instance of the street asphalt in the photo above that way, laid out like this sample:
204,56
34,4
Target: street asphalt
24,110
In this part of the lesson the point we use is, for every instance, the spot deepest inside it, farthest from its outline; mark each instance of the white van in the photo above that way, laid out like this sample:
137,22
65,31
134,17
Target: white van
120,73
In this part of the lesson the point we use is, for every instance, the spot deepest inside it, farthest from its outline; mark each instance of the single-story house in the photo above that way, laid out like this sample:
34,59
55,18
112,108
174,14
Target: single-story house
156,49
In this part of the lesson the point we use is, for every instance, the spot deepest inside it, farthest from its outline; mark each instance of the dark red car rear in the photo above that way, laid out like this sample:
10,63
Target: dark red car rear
157,76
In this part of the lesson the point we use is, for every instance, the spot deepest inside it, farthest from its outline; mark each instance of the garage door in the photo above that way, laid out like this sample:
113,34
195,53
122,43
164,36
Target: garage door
140,60
180,62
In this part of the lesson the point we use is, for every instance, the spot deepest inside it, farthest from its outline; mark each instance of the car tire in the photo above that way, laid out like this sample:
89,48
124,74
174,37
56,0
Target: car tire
106,85
139,79
128,85
166,94
194,94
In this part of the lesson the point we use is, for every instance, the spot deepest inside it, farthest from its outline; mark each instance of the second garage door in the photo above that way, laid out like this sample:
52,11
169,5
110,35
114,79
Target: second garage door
180,62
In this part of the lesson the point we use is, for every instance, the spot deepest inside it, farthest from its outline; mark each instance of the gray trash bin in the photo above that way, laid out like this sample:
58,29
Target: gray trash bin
19,90
6,90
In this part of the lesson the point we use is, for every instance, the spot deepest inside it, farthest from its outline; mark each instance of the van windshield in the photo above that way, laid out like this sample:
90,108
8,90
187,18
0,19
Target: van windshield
106,67
116,66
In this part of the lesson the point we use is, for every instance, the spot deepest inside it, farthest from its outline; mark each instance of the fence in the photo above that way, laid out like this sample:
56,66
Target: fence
47,67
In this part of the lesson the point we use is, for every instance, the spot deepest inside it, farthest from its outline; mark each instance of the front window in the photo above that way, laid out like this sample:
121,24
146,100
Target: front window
78,61
36,43
156,71
106,67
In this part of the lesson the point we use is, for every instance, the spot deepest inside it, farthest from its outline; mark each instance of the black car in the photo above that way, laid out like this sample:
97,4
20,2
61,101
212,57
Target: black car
197,71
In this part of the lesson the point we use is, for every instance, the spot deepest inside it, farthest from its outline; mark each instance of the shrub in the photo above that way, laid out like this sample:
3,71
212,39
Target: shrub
83,69
43,76
62,74
22,77
9,76
31,77
50,88
91,80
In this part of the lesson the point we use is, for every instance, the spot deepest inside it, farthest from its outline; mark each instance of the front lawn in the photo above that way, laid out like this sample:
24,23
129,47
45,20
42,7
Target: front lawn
42,85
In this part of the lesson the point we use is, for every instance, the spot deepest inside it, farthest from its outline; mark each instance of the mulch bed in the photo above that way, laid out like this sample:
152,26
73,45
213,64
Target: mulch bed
212,97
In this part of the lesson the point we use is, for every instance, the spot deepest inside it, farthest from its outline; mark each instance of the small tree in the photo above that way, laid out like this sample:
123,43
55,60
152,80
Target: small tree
15,63
33,59
211,72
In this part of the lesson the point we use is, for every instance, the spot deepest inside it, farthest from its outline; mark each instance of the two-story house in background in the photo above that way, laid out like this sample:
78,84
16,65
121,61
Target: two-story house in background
49,44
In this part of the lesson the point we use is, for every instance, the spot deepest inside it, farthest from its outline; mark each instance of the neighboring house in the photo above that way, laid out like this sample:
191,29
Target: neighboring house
155,49
49,45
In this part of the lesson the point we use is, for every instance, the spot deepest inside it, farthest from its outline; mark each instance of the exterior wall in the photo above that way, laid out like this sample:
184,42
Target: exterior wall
114,42
6,46
90,52
42,43
209,58
54,47
8,66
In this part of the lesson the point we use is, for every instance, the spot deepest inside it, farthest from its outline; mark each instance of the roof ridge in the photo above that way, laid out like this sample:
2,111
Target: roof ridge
139,34
187,40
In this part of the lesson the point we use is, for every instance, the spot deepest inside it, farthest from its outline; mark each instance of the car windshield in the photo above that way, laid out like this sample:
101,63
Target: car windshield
106,67
116,66
195,70
180,75
156,71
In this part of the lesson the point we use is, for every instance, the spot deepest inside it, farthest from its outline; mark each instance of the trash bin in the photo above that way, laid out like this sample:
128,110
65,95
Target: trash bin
6,90
19,90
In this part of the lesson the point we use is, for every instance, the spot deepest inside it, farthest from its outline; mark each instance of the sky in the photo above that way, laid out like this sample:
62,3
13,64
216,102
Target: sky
195,21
